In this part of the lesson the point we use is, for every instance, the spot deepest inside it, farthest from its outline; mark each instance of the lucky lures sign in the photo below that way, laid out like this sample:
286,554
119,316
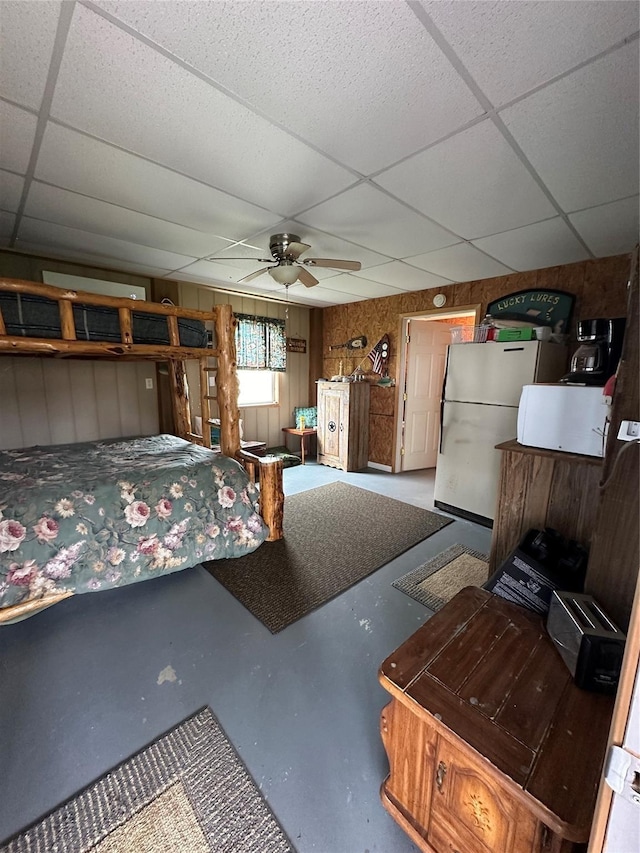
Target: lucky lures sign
543,307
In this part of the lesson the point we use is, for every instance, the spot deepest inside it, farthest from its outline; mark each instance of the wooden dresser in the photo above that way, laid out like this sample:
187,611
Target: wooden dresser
491,746
343,424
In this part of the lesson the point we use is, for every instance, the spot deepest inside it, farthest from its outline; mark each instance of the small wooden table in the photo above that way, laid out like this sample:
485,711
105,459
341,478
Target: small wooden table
303,433
492,747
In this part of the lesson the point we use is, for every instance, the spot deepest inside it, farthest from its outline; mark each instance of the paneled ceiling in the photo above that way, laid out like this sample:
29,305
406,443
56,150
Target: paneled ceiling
432,141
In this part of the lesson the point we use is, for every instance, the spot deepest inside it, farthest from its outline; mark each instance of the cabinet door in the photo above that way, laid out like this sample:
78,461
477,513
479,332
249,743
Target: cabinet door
410,746
331,436
471,812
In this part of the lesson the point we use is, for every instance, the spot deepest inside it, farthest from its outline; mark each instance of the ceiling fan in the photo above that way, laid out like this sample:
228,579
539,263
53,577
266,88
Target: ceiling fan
288,268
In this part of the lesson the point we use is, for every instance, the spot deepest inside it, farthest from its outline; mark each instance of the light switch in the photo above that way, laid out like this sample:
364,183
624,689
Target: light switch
148,384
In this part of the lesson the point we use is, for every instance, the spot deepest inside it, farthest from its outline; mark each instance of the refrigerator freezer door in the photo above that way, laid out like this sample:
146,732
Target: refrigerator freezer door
468,466
491,373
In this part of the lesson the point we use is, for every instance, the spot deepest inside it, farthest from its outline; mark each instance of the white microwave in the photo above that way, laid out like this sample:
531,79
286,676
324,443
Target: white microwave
571,418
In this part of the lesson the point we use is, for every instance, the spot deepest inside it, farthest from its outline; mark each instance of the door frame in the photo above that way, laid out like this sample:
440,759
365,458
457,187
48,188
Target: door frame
404,320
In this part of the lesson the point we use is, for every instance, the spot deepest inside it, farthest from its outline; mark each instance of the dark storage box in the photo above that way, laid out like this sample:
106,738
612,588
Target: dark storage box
542,562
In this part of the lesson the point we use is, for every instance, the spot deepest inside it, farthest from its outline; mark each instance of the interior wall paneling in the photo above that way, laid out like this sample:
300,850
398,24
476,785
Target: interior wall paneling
106,379
612,573
314,348
57,391
84,400
50,401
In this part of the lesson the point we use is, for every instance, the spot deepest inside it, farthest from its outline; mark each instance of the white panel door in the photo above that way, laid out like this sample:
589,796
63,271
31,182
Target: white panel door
426,356
490,372
468,465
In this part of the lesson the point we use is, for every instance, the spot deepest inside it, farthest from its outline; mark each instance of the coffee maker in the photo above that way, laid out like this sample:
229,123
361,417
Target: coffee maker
598,353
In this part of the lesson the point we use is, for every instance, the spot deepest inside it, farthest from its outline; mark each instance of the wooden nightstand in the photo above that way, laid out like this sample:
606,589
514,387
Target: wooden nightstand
303,433
492,748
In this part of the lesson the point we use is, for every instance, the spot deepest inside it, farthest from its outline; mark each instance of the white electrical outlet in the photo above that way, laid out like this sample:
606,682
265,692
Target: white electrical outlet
629,431
148,384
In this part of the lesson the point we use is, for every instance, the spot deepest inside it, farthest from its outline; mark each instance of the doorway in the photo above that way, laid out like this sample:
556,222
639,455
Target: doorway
424,341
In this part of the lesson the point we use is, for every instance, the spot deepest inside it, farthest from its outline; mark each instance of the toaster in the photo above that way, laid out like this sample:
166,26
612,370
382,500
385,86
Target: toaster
590,644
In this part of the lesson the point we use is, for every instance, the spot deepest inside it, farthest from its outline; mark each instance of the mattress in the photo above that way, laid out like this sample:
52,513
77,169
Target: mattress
97,515
38,317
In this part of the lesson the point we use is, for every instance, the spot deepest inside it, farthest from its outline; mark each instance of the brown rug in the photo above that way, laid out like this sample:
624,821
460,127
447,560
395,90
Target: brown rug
437,581
334,536
188,792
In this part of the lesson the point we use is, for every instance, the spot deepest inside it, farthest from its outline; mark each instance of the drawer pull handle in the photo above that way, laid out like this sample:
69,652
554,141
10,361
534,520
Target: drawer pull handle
440,774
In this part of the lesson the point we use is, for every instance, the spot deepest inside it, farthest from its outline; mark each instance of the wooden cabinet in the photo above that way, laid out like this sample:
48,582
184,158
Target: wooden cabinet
491,747
343,424
543,488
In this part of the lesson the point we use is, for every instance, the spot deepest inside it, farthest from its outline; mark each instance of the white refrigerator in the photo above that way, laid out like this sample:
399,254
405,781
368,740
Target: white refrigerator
482,388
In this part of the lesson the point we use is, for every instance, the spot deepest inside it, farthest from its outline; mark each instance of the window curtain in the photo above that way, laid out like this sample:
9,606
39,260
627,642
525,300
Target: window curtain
260,343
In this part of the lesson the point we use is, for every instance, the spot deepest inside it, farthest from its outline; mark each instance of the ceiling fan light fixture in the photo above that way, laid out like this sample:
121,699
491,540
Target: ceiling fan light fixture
284,274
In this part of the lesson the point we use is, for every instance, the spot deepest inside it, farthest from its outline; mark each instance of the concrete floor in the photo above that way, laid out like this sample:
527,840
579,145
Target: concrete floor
79,688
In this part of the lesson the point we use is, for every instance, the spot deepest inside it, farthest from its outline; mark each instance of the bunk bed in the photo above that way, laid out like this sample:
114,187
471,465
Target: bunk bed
82,517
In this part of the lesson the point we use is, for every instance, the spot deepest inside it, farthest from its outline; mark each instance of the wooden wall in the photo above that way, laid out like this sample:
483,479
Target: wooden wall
51,401
614,558
599,287
261,423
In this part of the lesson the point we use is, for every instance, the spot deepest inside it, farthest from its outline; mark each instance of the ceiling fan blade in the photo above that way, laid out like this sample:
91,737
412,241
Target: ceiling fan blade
259,260
294,250
334,264
253,275
306,278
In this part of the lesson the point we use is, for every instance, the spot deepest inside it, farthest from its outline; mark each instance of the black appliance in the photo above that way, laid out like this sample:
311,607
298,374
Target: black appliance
598,353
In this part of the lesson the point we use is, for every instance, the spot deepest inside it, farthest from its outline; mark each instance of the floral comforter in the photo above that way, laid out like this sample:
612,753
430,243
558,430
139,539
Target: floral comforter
91,516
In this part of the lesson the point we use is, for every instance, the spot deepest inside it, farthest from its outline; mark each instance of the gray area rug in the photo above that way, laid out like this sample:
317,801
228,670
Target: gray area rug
438,580
188,792
334,536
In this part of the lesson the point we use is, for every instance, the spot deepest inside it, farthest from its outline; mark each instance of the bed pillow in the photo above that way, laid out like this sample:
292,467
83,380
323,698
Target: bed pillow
310,415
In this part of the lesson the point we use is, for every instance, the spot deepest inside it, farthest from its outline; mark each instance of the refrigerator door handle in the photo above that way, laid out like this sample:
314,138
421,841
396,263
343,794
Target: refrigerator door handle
442,398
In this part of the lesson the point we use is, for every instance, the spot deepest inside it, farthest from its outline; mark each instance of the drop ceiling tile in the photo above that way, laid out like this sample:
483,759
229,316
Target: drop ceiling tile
77,162
510,48
361,287
611,229
62,238
402,276
326,85
545,244
119,89
17,132
581,133
369,217
77,211
99,262
320,296
27,35
323,244
461,262
473,184
212,272
7,222
10,190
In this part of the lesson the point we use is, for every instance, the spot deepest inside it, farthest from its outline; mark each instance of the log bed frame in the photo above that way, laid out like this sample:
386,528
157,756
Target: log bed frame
267,469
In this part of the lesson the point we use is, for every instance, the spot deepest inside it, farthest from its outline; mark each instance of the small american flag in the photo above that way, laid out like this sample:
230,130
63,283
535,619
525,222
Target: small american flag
379,355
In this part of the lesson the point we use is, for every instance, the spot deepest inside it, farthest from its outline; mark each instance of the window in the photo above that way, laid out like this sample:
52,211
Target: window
261,355
257,388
